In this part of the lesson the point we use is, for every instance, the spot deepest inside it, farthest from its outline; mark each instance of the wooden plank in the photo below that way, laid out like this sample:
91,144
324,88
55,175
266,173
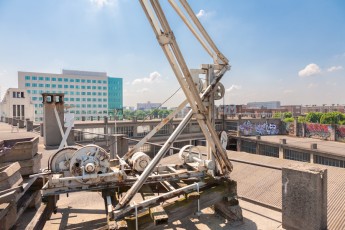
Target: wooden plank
8,215
157,213
43,214
184,207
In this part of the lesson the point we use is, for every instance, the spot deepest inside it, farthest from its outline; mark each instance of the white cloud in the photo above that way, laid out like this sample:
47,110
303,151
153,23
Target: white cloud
233,87
309,70
143,90
102,3
201,13
153,77
334,68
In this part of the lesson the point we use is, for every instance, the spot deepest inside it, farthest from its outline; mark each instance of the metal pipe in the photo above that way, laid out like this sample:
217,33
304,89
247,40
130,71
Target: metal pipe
120,213
148,170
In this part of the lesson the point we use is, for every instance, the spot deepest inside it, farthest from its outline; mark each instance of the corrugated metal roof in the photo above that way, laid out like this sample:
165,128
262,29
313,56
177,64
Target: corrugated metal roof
263,184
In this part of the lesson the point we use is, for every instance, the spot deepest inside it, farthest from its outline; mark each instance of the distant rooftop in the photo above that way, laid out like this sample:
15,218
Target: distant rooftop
84,73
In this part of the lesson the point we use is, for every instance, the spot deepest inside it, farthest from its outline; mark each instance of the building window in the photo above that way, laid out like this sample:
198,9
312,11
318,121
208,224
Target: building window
77,86
83,80
77,99
40,85
27,77
40,78
93,81
59,79
94,93
65,86
72,93
104,88
88,81
71,80
53,78
89,93
89,99
34,98
94,99
27,84
48,85
93,87
34,84
66,99
71,86
77,80
60,86
34,78
77,93
88,87
53,86
66,92
47,78
104,94
83,93
99,82
104,82
83,87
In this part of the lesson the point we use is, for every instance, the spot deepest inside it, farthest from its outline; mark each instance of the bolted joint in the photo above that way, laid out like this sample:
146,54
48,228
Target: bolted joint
165,38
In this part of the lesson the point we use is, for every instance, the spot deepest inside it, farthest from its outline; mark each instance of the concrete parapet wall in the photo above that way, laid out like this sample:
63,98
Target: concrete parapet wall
304,203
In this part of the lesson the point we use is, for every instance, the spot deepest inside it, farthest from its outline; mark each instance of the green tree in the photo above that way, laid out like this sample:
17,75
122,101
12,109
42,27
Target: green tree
288,119
140,114
287,115
301,119
313,117
277,115
332,118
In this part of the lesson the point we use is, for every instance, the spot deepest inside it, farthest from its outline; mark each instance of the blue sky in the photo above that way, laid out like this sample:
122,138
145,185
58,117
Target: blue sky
287,50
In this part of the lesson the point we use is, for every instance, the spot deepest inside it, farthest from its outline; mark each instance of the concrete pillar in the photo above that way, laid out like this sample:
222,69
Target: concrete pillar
257,148
304,129
42,130
118,145
238,145
304,203
21,124
282,142
295,126
29,125
333,133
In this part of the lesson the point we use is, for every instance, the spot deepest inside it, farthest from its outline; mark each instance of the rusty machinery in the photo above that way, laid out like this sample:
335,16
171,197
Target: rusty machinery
91,168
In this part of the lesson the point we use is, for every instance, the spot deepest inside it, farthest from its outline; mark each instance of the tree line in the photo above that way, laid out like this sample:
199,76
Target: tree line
336,118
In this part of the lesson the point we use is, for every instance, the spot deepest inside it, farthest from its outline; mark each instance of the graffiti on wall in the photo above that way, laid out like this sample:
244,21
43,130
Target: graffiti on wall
290,128
320,131
340,133
249,128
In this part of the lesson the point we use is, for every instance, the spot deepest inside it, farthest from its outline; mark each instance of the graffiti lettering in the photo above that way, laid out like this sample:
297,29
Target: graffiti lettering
318,130
248,128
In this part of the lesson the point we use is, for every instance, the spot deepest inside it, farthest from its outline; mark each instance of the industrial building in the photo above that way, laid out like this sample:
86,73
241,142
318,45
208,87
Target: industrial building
87,94
16,104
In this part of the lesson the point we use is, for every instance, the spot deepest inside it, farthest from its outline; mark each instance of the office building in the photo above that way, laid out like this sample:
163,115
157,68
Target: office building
264,105
87,94
148,106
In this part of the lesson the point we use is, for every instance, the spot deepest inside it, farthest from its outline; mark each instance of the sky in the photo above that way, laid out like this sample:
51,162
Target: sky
291,51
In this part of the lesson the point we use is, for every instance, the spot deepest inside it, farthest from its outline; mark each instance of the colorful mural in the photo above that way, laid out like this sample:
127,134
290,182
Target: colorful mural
340,133
249,128
319,131
290,128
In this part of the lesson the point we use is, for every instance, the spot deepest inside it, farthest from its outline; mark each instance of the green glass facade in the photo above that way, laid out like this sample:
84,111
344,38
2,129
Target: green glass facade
115,96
